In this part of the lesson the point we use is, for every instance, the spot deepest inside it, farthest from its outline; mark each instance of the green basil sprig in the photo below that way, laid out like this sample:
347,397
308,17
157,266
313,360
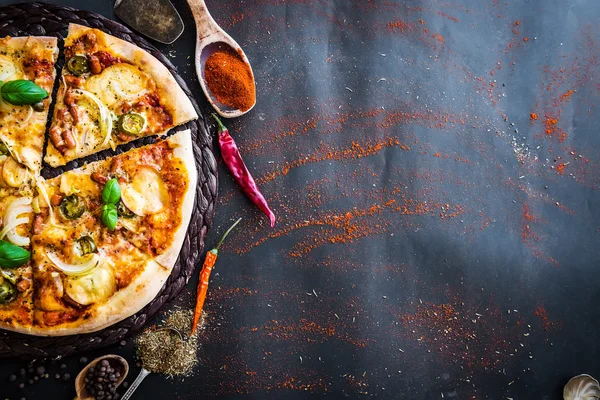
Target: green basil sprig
112,192
21,92
12,256
109,216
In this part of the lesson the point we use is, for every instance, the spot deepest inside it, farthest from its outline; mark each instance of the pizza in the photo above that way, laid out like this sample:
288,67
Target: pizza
88,276
22,127
111,92
93,245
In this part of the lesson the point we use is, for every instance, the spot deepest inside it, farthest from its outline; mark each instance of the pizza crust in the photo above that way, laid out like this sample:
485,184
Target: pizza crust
182,143
120,306
172,96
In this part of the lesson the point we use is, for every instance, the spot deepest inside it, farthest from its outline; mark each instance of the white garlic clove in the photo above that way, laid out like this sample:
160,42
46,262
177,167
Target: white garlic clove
582,387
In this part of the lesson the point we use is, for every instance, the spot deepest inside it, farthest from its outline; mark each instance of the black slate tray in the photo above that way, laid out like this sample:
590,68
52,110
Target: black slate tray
43,19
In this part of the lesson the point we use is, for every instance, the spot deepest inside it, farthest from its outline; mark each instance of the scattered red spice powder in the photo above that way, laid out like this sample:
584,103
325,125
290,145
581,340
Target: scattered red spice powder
567,95
527,234
525,39
399,26
438,37
443,14
356,150
533,116
560,168
472,337
344,226
551,128
546,322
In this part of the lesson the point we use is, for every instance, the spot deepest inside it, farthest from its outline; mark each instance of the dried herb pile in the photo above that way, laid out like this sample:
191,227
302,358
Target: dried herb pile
164,352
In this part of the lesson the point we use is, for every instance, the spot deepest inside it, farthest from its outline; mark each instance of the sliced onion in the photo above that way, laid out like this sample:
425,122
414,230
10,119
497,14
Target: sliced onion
42,189
19,206
118,90
11,234
75,137
35,204
106,120
28,115
7,68
87,264
130,224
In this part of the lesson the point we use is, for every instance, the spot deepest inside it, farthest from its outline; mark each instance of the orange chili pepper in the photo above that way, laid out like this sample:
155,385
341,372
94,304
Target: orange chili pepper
209,262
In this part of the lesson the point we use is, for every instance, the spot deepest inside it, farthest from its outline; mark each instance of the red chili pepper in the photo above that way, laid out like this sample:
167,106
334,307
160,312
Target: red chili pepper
233,160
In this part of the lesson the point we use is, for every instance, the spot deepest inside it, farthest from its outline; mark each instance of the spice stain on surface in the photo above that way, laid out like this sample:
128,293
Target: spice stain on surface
419,201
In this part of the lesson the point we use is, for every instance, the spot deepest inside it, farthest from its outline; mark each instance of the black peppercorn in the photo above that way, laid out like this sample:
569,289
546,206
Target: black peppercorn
12,377
66,376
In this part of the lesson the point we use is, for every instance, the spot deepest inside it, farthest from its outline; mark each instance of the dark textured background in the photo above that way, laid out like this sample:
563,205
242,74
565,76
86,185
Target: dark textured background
433,239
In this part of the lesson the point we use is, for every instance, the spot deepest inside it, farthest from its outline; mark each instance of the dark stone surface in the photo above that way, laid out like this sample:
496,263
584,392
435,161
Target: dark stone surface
450,255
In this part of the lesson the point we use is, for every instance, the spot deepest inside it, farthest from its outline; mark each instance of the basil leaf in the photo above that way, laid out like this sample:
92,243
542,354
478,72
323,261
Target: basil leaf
21,92
109,216
12,256
112,192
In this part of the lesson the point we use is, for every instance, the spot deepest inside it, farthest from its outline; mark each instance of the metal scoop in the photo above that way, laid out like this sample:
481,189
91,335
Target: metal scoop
144,372
157,19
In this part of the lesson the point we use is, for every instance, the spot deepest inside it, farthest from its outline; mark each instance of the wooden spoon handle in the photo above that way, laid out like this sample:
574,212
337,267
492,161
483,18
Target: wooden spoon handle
143,373
205,24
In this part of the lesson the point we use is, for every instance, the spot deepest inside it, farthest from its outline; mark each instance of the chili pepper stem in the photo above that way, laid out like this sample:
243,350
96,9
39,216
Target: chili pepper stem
227,233
222,128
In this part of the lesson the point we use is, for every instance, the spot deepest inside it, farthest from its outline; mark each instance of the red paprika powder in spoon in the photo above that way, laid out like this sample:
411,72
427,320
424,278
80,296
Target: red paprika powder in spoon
230,80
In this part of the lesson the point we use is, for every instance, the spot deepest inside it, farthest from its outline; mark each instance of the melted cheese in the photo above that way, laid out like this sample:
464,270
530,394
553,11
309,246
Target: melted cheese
49,292
9,71
72,182
147,193
95,287
119,82
14,174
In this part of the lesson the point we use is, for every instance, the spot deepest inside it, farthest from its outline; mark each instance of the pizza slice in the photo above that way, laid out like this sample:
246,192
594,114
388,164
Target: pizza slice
106,236
22,127
87,278
111,92
16,289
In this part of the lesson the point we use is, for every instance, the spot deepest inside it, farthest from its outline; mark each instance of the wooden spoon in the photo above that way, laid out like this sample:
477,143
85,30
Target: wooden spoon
117,362
210,37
